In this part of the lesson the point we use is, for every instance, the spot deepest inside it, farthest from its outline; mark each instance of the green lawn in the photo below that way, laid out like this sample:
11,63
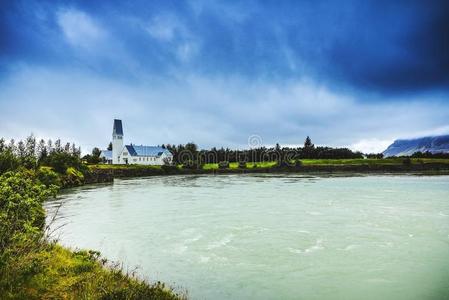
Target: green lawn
386,161
235,165
327,162
305,162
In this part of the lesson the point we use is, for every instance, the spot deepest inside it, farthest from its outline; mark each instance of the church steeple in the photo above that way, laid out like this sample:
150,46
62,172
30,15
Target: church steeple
117,141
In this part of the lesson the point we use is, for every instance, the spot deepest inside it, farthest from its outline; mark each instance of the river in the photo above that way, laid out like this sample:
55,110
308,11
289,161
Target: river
270,236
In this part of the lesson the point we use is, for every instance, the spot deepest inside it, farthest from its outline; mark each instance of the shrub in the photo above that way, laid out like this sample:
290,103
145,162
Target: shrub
73,177
298,163
8,161
282,164
60,161
47,176
407,161
169,168
22,220
242,164
192,164
223,165
21,208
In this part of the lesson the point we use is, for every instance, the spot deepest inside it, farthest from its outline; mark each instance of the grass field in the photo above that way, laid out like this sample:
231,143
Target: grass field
338,162
305,162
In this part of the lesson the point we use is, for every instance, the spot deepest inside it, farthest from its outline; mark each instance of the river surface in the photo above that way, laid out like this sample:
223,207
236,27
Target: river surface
271,237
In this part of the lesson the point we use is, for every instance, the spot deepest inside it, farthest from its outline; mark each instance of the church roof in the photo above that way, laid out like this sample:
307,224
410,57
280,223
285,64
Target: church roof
106,154
118,129
135,150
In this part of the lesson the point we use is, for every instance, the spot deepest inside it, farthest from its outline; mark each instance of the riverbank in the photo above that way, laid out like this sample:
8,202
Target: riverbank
106,173
34,266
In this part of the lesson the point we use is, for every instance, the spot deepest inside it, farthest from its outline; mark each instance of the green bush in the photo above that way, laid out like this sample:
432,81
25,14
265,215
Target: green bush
47,176
22,220
407,161
8,161
72,177
223,165
169,168
298,163
61,161
242,164
283,163
192,164
21,210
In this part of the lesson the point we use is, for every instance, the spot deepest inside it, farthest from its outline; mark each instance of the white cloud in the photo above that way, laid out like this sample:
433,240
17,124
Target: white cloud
163,28
235,12
210,111
79,29
177,37
371,145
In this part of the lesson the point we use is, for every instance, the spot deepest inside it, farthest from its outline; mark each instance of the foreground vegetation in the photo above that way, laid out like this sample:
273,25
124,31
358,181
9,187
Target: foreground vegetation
32,265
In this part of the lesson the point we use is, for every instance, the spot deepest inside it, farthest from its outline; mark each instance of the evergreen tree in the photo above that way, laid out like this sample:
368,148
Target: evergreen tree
2,145
21,149
308,143
12,146
67,148
41,150
49,146
96,152
58,147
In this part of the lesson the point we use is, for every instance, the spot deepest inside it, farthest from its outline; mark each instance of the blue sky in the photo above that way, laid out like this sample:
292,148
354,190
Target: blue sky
347,73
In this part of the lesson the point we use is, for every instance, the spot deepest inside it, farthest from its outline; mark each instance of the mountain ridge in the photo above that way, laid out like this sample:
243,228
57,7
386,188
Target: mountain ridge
405,147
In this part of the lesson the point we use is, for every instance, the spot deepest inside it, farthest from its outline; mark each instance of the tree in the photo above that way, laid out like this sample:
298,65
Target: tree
96,152
12,146
110,146
73,149
30,146
58,147
8,161
308,143
49,146
21,149
60,161
2,145
94,157
67,148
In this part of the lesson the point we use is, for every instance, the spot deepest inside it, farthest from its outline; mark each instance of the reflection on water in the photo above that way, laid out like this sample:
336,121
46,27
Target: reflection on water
271,236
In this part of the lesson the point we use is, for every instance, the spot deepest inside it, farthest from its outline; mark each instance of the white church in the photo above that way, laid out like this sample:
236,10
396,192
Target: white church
133,154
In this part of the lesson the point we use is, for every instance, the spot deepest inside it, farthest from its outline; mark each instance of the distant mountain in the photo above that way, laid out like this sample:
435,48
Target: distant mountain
434,144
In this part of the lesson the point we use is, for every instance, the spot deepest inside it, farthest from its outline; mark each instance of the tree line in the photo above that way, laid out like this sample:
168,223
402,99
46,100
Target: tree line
31,154
190,152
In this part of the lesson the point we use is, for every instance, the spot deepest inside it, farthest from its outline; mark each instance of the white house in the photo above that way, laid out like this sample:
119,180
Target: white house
133,154
106,156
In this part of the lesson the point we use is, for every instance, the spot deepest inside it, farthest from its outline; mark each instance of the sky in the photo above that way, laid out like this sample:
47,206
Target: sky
356,74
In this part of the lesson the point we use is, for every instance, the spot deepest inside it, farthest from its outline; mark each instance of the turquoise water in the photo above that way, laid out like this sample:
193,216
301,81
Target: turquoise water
271,237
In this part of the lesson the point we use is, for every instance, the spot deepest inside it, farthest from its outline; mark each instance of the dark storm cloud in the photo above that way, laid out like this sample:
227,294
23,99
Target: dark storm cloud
384,46
398,46
218,71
